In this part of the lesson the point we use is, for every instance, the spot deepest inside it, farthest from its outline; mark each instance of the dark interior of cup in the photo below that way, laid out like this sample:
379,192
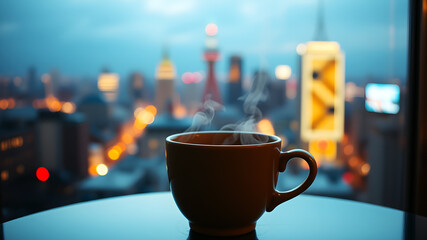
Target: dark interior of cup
224,138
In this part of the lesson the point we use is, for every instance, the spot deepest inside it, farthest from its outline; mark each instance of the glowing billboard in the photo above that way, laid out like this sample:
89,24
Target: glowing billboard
382,98
322,92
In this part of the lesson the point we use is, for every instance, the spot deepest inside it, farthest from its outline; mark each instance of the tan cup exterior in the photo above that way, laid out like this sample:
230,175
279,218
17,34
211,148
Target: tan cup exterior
224,189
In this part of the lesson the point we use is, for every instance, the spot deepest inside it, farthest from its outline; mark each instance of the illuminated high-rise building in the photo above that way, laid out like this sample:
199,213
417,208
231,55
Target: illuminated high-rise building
211,55
235,80
165,77
108,84
322,94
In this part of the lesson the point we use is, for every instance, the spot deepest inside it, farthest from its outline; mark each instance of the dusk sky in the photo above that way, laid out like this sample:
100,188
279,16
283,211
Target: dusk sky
80,37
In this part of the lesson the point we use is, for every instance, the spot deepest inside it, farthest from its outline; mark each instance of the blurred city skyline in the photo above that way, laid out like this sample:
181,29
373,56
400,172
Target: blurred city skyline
90,89
79,38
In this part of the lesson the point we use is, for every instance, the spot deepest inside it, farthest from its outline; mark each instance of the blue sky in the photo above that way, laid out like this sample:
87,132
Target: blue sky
79,37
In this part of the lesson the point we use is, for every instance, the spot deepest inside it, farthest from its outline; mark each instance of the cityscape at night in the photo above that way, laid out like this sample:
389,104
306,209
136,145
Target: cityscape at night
89,91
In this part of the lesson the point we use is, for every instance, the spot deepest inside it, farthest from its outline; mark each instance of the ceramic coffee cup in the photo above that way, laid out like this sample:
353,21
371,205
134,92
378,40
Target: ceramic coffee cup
223,182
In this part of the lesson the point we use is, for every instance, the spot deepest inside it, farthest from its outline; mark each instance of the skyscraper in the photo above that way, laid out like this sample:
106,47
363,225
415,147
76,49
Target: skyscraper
211,55
75,145
108,84
165,76
322,93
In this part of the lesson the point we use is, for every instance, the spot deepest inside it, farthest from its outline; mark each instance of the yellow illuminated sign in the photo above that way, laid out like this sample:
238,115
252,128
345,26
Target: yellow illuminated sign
322,92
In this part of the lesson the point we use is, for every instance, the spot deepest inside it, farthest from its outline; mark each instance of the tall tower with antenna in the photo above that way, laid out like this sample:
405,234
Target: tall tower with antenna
322,93
211,55
320,32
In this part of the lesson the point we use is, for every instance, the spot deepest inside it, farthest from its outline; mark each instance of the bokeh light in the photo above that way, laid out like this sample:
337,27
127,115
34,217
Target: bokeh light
283,72
265,127
152,109
146,117
102,169
113,154
365,168
42,174
301,48
68,107
211,29
4,104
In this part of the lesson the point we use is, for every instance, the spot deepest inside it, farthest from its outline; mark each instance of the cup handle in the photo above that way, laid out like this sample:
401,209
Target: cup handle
285,157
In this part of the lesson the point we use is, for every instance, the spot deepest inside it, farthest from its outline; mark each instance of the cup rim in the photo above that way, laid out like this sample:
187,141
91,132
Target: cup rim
169,139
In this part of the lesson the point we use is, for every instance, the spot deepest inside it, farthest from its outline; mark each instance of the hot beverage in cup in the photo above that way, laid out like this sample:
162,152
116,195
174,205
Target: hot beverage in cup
223,182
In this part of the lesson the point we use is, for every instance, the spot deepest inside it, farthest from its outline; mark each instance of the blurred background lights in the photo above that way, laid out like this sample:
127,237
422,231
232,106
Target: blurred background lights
265,127
179,111
146,117
113,154
127,138
83,119
68,107
121,146
365,168
283,72
42,174
138,111
189,77
20,169
102,169
11,102
4,104
301,48
4,175
348,150
211,29
197,77
132,149
152,109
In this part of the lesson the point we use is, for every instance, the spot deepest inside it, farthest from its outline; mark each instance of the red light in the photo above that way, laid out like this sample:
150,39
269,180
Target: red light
189,77
42,174
323,144
197,77
348,177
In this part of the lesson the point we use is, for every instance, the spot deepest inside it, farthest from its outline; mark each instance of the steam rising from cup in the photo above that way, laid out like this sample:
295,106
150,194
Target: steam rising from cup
205,116
257,93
